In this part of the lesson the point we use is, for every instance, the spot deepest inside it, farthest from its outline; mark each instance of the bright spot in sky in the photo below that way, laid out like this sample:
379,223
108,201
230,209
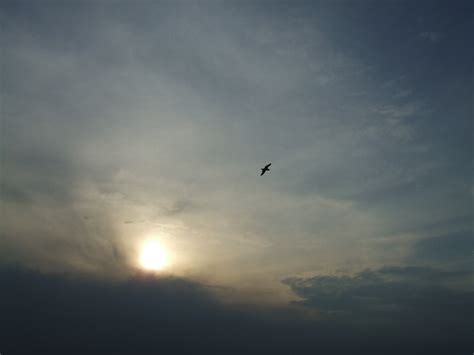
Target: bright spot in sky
153,256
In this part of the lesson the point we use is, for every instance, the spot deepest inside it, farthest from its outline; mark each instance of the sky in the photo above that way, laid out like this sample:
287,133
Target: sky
128,122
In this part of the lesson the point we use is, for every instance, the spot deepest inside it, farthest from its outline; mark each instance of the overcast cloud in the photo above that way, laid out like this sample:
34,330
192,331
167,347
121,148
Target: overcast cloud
121,120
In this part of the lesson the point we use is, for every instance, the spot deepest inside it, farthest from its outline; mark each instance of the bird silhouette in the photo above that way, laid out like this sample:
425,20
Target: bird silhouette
265,169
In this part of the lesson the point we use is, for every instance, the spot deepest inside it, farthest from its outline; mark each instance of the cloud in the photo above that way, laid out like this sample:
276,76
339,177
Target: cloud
143,315
164,112
400,297
61,314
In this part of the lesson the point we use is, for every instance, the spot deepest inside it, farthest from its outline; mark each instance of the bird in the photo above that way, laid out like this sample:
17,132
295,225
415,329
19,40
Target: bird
265,169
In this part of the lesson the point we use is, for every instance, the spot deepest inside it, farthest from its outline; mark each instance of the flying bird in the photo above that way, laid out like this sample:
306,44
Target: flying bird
265,169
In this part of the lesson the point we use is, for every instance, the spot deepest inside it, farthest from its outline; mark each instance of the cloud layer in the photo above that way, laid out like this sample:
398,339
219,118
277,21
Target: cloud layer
125,121
58,314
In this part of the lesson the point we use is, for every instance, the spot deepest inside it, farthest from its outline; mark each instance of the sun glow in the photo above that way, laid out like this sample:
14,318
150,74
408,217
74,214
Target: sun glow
153,256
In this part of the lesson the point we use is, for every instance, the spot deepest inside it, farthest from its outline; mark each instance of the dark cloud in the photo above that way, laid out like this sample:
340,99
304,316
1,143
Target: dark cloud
57,314
402,300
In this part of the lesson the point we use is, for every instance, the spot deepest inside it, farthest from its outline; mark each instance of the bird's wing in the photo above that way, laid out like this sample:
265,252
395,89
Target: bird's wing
266,166
263,172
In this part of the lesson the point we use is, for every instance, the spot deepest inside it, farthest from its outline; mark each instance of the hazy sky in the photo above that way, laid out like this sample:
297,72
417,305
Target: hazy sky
122,121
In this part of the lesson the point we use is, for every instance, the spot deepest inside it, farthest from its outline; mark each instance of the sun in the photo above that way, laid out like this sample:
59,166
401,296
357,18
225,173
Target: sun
153,256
